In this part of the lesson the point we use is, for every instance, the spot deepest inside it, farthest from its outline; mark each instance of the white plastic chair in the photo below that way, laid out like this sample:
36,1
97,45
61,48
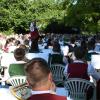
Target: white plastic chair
16,80
19,87
77,88
57,72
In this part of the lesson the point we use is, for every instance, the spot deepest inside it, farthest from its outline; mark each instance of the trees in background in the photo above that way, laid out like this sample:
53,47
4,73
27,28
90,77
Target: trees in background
16,15
84,14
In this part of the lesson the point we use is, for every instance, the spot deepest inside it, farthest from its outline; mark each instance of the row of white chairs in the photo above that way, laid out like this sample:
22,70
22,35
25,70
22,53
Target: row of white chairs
76,87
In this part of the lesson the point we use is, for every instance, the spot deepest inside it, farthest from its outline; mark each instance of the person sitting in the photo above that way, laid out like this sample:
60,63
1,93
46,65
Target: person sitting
56,57
80,65
19,54
84,45
39,79
49,43
79,68
71,46
16,67
91,47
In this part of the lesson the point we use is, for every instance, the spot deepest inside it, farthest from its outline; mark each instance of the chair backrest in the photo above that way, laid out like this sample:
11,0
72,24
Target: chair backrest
16,80
57,72
77,88
55,59
16,69
18,88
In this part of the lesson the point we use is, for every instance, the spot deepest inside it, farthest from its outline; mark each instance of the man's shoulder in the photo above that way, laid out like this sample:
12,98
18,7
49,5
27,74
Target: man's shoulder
47,96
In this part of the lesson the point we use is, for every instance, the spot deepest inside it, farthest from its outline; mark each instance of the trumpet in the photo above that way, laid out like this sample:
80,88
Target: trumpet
21,86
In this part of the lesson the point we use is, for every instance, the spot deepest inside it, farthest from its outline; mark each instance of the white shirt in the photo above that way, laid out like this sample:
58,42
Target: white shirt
95,61
90,51
7,59
65,50
32,27
42,92
91,71
12,48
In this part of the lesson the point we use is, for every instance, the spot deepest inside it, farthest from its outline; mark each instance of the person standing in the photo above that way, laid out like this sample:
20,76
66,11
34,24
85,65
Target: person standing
34,36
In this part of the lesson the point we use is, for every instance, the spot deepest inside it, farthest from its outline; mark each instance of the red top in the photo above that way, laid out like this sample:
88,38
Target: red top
46,96
34,34
78,70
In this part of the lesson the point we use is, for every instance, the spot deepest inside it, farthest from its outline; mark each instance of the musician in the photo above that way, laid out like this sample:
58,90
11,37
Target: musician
39,79
34,36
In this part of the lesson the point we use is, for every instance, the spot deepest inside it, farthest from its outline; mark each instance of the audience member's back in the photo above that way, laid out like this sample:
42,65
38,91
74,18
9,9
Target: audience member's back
39,79
91,46
56,57
46,97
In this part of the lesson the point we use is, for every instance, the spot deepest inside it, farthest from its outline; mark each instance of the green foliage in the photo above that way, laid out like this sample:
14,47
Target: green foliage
16,15
84,14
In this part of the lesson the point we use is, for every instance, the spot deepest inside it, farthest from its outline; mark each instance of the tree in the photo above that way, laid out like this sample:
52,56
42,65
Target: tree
17,14
84,14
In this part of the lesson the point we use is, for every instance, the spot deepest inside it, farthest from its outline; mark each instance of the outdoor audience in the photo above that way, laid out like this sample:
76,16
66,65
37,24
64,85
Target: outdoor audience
81,69
37,70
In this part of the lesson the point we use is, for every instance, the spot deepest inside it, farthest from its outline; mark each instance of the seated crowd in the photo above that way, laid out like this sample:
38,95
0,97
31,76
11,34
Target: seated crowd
76,60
